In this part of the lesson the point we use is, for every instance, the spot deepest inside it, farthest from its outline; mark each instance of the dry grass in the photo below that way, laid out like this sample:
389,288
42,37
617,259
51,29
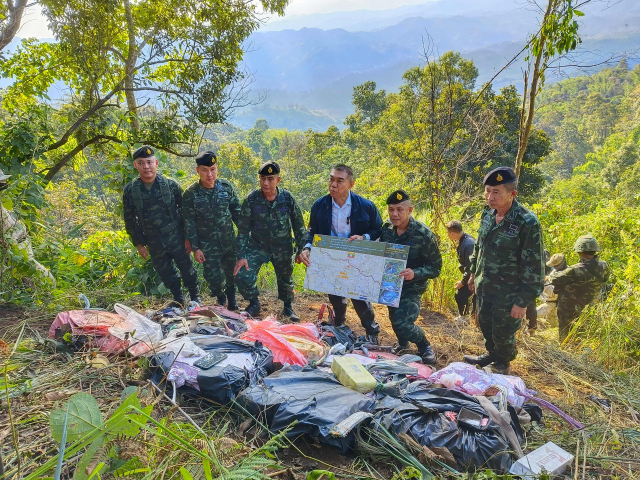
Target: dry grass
608,447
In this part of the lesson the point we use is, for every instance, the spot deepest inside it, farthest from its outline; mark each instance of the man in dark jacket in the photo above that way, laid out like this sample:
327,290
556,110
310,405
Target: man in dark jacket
345,214
464,249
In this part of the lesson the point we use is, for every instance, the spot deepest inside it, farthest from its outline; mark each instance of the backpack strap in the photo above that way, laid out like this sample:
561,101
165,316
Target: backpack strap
592,269
137,195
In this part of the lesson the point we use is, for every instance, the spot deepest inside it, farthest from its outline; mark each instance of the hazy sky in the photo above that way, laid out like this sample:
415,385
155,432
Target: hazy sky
35,25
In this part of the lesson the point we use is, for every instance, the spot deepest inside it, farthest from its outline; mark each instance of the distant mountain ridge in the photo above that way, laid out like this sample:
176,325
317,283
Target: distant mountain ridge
311,72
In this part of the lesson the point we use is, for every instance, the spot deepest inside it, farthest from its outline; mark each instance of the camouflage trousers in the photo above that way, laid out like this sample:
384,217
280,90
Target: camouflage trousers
498,327
568,312
218,270
163,258
403,317
282,261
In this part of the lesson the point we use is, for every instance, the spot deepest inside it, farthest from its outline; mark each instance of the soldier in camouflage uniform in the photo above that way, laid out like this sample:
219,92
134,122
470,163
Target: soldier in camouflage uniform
578,284
152,217
14,236
268,217
210,207
507,268
424,262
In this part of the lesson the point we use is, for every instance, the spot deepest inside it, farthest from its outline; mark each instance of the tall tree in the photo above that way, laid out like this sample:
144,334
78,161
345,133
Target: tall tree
117,59
557,35
11,13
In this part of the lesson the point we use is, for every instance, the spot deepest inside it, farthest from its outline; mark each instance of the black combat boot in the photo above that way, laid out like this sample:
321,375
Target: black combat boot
426,352
287,311
254,308
481,360
222,300
499,367
231,298
373,339
178,300
400,348
194,296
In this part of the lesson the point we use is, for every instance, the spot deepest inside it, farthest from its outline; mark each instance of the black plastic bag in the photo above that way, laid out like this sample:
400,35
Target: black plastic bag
221,384
423,415
333,335
317,400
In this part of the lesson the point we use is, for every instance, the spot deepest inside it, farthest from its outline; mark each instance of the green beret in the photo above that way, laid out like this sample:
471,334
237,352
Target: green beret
499,176
398,196
143,152
206,159
269,168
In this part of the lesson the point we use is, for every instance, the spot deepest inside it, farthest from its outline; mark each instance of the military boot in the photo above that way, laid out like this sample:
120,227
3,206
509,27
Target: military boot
231,298
427,353
481,360
254,308
178,300
287,311
373,339
194,296
400,348
498,367
222,300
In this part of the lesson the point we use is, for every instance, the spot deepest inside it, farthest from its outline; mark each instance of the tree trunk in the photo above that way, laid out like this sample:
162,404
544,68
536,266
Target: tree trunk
535,77
132,57
16,9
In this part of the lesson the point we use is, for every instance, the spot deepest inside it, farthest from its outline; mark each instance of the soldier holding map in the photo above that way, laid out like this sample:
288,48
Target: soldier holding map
345,214
424,262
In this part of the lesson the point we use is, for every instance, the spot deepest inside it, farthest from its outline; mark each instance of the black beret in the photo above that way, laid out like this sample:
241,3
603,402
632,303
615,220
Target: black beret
143,152
269,168
206,159
397,197
499,176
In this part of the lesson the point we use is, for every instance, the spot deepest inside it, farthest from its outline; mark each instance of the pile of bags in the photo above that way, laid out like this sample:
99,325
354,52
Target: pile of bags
336,387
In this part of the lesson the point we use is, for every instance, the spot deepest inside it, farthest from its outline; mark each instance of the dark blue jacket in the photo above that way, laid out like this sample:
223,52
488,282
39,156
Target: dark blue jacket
364,218
464,250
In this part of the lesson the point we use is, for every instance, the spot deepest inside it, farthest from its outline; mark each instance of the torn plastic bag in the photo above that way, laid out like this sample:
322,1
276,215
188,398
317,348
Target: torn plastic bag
245,365
142,333
333,335
315,399
476,382
429,417
90,324
287,345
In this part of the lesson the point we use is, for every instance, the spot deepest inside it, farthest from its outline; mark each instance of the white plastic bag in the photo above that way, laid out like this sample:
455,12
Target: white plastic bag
141,332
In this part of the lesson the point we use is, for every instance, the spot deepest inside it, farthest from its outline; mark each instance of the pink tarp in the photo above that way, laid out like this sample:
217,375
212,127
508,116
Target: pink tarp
271,334
92,323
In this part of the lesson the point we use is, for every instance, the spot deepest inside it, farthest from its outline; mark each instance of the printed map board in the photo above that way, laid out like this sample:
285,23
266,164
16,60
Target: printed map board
361,269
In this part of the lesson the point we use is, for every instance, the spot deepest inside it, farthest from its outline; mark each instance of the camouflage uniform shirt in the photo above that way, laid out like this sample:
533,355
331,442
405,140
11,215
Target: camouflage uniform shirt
158,222
579,284
508,258
267,226
424,256
209,215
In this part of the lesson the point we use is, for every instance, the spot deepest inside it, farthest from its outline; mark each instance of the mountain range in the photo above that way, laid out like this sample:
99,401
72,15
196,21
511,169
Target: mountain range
307,67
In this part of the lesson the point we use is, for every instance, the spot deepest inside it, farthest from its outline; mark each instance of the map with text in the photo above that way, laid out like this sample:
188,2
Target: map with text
361,269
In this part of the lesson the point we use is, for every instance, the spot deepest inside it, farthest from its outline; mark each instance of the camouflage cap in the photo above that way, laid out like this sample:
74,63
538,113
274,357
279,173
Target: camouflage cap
555,260
586,243
3,176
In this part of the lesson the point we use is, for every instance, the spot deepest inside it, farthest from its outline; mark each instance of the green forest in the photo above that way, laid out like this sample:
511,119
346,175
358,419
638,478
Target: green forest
147,73
581,174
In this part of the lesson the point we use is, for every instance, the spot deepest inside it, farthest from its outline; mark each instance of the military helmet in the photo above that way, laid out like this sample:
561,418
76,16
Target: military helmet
555,260
586,243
